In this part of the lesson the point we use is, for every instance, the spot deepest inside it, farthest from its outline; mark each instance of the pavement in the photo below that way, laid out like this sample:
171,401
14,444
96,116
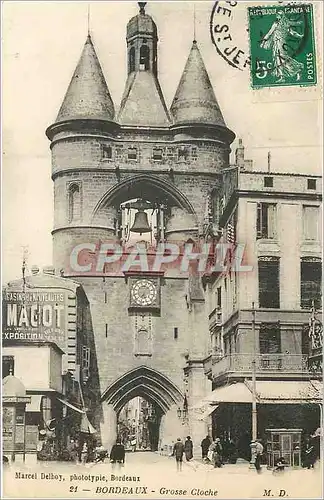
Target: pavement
151,475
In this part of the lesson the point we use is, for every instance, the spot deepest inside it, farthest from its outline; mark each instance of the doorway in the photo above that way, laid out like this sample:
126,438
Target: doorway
138,425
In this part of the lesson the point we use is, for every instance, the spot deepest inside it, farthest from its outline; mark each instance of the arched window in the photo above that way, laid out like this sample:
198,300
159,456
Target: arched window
131,59
74,203
144,57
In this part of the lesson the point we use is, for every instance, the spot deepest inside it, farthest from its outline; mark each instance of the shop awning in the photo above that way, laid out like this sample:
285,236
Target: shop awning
287,391
233,393
268,392
35,403
66,403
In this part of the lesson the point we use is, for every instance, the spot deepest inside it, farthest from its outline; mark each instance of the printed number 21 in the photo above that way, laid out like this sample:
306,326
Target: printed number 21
262,68
73,489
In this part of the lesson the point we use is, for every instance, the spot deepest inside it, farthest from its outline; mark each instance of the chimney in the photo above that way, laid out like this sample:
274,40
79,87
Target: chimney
239,155
49,270
34,270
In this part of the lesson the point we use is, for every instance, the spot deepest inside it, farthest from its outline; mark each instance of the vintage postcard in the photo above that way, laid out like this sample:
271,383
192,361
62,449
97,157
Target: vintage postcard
162,327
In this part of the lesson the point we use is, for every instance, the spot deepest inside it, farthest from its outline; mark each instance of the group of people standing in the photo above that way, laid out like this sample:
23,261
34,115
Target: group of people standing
217,452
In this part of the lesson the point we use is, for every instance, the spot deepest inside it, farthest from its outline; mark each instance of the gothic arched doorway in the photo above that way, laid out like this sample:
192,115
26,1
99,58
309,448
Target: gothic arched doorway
150,389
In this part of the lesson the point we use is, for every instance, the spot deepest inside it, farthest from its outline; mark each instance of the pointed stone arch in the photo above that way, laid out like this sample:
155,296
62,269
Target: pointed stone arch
145,382
144,186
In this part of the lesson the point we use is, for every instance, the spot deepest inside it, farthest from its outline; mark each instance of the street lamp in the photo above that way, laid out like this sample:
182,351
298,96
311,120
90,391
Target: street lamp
254,404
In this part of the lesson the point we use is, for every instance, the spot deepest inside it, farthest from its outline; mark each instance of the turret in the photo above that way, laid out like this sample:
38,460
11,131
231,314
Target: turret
195,107
142,103
87,102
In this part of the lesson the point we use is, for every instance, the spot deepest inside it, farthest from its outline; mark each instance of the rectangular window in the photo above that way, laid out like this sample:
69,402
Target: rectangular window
8,366
132,153
311,183
310,223
266,220
268,182
194,153
269,288
219,297
310,284
269,338
157,154
175,333
86,362
182,154
107,152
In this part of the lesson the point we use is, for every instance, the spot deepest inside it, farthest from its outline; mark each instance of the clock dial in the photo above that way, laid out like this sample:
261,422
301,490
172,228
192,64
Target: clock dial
144,292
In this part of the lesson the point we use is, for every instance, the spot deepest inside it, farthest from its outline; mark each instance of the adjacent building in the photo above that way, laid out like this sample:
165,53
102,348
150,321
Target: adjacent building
262,313
48,346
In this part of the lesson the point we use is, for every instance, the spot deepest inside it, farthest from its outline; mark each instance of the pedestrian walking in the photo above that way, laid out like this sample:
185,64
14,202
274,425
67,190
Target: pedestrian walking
188,448
205,447
310,454
84,453
178,451
258,455
117,454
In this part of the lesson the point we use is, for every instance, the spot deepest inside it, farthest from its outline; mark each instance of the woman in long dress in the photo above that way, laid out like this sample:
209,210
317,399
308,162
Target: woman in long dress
277,40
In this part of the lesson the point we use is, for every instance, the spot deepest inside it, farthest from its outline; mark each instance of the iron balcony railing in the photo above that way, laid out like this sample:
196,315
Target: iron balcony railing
285,363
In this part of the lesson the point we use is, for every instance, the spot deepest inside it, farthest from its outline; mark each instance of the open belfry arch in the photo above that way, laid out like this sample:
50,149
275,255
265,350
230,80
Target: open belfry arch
109,170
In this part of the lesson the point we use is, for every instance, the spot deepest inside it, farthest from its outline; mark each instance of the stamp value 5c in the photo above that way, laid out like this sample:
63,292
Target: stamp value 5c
282,46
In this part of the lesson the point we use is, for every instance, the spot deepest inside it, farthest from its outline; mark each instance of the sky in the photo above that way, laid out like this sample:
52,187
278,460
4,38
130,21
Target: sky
42,42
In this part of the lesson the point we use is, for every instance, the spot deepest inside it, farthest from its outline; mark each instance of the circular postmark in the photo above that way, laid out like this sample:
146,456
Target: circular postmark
222,32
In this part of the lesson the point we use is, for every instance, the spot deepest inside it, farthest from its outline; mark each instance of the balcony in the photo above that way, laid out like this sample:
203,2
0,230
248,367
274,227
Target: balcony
266,364
215,318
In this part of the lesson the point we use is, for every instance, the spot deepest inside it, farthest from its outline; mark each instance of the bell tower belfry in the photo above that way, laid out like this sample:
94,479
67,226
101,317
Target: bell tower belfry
150,328
142,38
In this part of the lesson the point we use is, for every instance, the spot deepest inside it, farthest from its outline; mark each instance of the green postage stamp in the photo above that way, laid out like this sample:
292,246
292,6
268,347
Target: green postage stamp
282,45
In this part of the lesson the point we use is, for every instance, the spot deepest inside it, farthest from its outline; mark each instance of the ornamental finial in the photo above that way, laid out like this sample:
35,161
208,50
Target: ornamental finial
142,7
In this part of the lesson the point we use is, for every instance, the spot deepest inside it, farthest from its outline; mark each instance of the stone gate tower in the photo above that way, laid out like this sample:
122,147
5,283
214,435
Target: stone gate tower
150,328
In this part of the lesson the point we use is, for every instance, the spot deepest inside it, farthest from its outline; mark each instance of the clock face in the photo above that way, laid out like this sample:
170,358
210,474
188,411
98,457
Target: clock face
144,292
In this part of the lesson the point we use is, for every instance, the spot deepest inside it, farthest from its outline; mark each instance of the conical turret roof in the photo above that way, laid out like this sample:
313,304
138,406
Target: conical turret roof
87,96
195,101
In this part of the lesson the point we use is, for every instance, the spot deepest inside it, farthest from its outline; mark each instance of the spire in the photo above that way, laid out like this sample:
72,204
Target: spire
87,96
195,101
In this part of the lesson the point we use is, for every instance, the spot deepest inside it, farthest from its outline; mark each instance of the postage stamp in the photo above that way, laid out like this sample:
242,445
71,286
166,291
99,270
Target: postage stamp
282,46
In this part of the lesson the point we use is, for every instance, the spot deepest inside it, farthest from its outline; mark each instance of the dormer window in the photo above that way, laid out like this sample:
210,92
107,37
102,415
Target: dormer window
107,152
182,154
132,154
144,57
157,154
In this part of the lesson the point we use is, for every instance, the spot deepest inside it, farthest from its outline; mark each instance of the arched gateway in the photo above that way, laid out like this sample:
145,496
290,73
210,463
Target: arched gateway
160,168
151,385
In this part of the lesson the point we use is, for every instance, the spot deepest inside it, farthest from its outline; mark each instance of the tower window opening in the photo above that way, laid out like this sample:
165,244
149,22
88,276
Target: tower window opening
175,333
74,202
268,182
157,154
194,153
132,154
182,154
107,152
144,57
311,183
132,59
